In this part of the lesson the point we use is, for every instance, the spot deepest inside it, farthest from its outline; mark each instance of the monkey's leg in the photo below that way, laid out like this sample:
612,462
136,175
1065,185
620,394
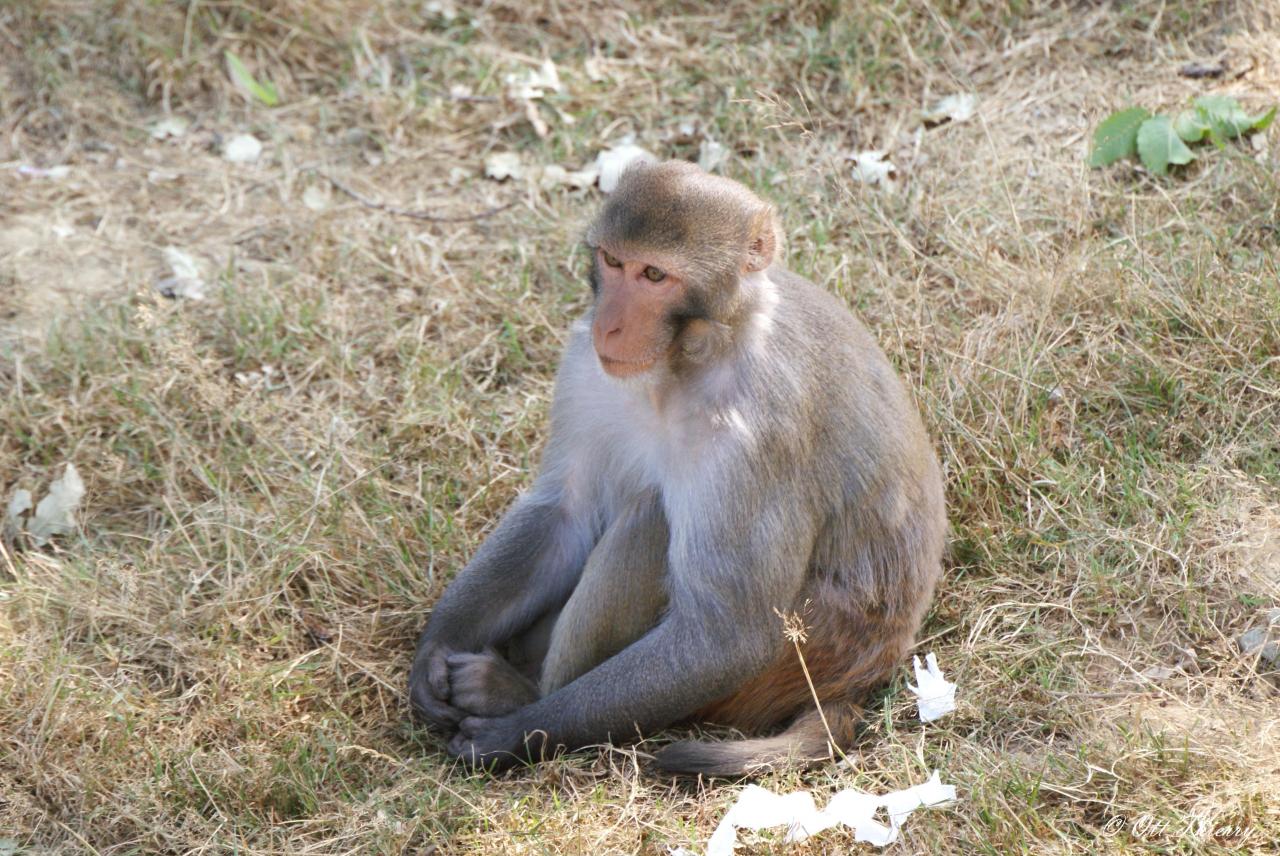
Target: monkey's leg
486,684
498,681
525,568
619,598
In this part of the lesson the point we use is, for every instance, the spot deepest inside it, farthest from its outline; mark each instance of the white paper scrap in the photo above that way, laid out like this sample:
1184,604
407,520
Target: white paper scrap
529,83
503,165
935,694
169,126
56,513
956,108
874,169
19,505
242,148
186,280
54,172
612,162
760,808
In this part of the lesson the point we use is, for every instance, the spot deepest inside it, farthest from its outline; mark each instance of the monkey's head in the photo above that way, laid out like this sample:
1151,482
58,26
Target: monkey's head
671,248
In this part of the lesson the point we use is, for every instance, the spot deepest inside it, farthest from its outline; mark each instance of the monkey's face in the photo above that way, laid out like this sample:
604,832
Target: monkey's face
636,299
671,245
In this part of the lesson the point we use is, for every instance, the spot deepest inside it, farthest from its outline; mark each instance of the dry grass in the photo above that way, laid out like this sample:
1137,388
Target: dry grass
216,661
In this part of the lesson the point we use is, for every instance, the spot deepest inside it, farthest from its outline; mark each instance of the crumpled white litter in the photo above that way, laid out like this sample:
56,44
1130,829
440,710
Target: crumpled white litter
170,126
56,513
54,172
935,695
532,83
711,155
759,808
613,161
955,108
242,148
503,165
186,281
554,175
873,169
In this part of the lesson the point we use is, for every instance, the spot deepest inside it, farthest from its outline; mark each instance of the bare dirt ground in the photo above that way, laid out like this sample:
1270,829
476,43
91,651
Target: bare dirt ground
282,475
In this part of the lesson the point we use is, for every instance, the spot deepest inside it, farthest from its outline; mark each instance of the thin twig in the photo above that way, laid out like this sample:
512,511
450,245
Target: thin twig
831,738
796,632
407,212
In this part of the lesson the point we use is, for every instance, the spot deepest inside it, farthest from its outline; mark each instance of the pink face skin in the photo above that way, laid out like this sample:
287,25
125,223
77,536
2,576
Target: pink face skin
629,330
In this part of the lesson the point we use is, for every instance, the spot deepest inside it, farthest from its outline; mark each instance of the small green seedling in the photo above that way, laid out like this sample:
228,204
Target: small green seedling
1160,141
265,91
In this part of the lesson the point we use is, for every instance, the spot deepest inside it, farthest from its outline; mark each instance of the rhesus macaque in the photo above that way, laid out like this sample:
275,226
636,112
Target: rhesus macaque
727,444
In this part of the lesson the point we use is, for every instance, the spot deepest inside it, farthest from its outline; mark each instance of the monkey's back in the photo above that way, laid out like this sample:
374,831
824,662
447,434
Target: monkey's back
878,488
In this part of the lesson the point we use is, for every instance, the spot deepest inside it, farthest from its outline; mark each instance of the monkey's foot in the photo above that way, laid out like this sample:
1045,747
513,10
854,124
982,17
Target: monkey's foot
495,744
429,689
487,685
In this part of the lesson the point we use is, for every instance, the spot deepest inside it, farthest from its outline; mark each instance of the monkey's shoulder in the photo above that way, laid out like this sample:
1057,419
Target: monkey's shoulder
815,312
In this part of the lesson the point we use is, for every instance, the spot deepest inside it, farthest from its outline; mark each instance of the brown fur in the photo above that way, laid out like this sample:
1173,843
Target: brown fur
848,654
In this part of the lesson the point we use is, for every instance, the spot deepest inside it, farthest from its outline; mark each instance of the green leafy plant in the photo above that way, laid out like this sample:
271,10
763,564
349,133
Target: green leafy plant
1160,141
264,91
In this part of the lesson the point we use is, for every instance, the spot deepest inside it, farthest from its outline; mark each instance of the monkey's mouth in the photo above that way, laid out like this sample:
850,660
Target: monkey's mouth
623,368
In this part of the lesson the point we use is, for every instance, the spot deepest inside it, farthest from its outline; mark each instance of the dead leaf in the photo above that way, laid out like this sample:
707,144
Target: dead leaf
442,9
187,280
953,108
14,516
242,148
315,198
557,176
19,504
533,83
581,179
56,173
711,155
170,126
530,85
612,162
552,176
872,169
503,165
595,68
55,515
534,115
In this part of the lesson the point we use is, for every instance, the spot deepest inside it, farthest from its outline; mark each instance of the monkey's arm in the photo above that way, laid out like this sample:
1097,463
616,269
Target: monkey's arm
529,564
720,629
619,597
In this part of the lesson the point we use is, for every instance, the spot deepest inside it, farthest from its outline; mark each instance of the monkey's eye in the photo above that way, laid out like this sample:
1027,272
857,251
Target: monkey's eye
653,274
610,260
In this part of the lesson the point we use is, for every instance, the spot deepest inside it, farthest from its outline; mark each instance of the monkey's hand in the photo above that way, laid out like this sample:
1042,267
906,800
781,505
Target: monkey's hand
497,743
429,687
486,685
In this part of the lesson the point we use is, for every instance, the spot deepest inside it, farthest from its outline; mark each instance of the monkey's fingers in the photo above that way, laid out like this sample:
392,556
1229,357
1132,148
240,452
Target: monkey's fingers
473,752
486,685
432,710
472,726
461,659
438,670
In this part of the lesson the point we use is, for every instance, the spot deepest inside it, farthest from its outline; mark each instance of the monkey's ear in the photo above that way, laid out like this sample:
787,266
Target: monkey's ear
763,244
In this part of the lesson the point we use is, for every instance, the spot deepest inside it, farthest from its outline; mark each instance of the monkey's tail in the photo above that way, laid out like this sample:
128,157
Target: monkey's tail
804,743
